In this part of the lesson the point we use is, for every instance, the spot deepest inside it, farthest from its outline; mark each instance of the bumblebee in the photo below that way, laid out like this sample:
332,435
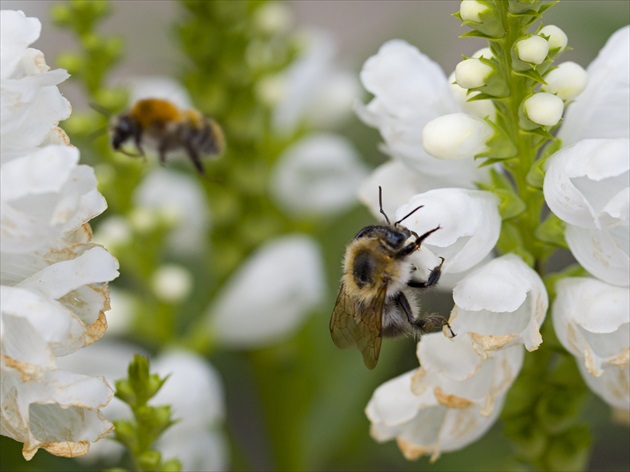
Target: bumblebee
378,293
160,125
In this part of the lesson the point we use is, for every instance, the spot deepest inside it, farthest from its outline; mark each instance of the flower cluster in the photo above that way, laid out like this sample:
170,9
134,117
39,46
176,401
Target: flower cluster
500,109
54,279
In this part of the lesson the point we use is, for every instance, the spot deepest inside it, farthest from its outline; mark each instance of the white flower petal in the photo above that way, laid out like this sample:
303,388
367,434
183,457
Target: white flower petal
613,385
318,175
57,412
18,32
604,253
501,303
582,179
469,223
270,294
601,111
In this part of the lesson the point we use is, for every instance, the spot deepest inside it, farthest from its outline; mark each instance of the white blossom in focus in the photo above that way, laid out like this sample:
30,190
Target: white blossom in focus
53,278
410,90
470,10
450,402
502,303
270,294
318,175
613,385
592,321
469,223
587,185
601,110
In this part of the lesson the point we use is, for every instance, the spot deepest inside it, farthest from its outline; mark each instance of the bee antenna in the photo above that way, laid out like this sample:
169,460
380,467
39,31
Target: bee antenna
380,204
408,214
101,109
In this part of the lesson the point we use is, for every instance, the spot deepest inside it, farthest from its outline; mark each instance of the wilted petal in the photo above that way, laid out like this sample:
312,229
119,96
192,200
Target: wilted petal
270,294
502,303
601,111
592,321
613,385
318,175
469,224
57,412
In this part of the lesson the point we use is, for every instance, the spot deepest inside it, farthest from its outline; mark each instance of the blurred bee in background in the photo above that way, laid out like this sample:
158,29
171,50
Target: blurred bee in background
378,294
160,125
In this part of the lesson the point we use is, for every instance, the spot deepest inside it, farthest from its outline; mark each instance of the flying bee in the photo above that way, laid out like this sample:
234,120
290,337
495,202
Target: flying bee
378,293
161,125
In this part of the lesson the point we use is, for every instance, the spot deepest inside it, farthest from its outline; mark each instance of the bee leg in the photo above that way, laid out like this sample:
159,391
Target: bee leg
409,248
429,323
434,276
195,158
137,140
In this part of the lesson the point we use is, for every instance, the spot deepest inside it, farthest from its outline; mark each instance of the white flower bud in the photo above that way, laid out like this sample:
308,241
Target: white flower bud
172,283
544,108
480,108
483,52
532,50
273,18
472,73
456,136
567,81
470,10
557,37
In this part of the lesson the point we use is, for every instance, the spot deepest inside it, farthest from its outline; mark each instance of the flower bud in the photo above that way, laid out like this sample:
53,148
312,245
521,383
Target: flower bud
483,52
471,10
456,136
557,38
172,283
544,108
482,17
566,81
532,50
472,73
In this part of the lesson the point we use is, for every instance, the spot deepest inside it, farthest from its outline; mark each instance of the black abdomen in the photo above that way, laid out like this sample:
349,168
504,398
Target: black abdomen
363,268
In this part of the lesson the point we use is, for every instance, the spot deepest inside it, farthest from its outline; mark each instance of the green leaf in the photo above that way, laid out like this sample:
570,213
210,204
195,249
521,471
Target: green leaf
551,231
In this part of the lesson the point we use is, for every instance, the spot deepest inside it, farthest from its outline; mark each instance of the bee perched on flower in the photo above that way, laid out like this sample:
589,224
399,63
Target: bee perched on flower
161,125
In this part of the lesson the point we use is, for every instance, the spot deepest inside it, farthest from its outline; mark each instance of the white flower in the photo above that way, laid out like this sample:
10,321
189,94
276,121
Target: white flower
533,49
469,223
409,91
613,385
270,294
567,81
31,103
557,38
179,198
544,108
450,402
472,73
502,303
54,292
194,389
587,186
601,110
318,175
315,90
592,319
456,136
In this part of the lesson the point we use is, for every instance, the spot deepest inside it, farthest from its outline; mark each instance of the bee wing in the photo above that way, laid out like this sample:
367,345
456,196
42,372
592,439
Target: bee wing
358,323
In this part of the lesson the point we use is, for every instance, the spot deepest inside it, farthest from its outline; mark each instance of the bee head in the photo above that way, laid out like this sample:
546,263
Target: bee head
124,128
